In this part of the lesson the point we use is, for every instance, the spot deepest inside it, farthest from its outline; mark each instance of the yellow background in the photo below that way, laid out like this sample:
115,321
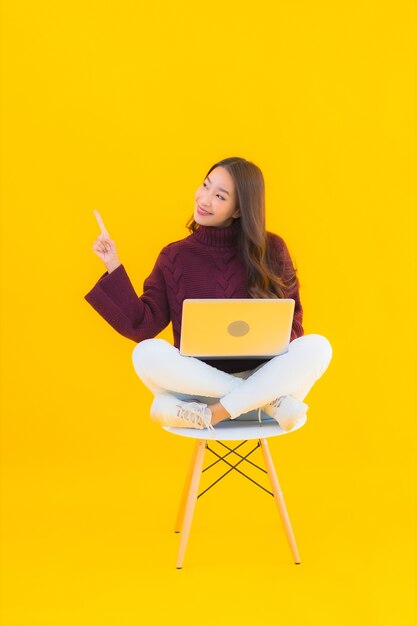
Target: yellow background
123,107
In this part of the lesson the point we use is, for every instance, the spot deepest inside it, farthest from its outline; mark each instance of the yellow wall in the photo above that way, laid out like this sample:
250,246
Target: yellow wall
123,107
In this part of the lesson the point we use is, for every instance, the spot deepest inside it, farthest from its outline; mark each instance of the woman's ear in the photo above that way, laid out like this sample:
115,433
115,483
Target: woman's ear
236,214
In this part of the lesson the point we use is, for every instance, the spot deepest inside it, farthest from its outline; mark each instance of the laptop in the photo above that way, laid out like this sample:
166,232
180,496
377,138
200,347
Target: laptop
230,328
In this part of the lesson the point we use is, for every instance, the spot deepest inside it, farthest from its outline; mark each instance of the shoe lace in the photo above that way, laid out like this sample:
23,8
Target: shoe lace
196,414
274,404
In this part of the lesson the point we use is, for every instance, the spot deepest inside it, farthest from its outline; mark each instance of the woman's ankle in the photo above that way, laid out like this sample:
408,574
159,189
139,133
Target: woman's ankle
218,413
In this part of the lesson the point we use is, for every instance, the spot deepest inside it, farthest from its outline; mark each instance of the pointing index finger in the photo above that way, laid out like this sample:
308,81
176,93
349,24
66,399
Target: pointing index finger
100,223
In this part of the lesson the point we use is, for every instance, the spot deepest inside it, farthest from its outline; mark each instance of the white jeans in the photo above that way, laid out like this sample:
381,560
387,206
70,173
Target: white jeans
163,369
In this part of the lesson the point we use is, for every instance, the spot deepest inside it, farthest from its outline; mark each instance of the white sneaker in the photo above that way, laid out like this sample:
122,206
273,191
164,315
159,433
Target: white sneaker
168,410
286,410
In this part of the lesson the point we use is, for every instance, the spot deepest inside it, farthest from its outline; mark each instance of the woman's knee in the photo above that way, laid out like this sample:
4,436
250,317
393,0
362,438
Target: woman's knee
149,352
324,347
319,343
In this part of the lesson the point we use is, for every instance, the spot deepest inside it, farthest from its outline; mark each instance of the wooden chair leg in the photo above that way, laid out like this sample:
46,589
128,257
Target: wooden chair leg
279,499
191,500
184,496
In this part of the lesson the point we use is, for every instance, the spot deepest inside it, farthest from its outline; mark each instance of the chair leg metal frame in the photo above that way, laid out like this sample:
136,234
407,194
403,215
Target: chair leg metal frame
190,491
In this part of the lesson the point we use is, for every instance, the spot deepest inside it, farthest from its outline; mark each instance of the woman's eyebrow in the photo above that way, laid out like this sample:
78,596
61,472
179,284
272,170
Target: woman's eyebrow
225,190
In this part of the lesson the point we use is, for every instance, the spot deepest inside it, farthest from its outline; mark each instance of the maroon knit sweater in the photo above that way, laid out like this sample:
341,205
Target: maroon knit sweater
205,264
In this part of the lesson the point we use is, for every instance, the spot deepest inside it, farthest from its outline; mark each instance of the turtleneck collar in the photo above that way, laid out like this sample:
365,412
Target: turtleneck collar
218,237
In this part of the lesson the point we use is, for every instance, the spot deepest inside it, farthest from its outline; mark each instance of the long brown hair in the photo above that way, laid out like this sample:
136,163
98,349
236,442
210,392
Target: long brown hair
268,275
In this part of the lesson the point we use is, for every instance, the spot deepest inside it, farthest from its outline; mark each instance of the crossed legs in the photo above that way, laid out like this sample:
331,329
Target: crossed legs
164,370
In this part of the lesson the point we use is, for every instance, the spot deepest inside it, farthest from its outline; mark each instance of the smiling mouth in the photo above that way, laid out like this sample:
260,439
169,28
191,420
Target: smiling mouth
202,211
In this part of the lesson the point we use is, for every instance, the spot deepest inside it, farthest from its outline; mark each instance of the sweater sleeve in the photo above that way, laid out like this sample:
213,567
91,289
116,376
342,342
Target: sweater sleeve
286,268
135,317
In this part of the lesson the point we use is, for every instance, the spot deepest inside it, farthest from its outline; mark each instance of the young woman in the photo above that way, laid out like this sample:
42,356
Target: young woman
228,254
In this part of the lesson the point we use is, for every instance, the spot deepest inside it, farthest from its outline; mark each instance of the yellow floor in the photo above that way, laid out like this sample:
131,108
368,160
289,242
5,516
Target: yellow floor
90,541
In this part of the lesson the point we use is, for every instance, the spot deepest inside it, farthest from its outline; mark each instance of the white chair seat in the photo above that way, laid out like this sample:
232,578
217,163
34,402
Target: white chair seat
235,430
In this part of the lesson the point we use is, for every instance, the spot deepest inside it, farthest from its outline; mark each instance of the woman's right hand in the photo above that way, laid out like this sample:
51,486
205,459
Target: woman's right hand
104,246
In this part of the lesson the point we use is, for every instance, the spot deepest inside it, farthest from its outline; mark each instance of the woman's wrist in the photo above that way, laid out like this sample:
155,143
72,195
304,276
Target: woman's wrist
112,266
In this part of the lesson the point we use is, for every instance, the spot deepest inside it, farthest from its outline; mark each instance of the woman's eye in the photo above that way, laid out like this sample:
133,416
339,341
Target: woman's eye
218,195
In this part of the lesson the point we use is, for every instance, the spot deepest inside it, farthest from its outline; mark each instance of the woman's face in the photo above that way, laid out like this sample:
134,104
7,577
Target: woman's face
215,200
